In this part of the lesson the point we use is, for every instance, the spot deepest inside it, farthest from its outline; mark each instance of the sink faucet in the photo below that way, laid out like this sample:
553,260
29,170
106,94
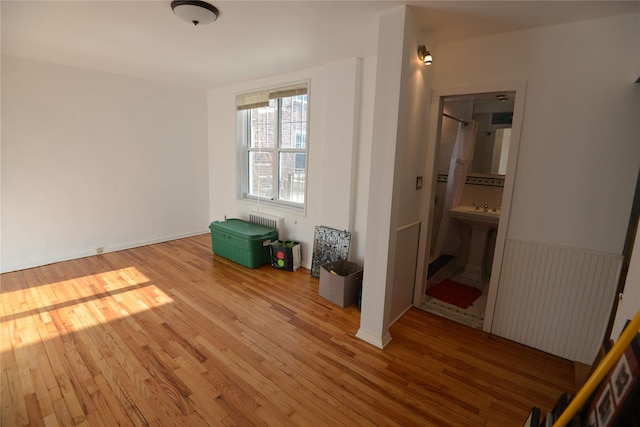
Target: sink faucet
486,207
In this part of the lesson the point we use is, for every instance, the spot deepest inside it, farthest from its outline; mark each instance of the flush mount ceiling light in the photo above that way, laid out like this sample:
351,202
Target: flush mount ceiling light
194,11
424,55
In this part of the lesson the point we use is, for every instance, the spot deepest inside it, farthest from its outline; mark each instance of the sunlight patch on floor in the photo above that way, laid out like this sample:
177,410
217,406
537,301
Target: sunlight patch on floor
31,314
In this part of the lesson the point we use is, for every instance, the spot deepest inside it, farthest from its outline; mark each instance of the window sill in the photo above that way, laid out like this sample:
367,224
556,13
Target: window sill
280,207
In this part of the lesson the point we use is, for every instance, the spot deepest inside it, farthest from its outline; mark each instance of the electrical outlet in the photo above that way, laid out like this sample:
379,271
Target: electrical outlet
99,251
418,182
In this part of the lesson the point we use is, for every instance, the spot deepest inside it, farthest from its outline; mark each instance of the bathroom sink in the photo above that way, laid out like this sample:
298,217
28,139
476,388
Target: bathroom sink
481,224
474,217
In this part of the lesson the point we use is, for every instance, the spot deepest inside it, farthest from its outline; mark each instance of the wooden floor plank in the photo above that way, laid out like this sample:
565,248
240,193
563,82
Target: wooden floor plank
169,334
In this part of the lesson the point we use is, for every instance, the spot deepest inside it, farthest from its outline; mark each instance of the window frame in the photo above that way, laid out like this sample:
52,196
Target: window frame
243,136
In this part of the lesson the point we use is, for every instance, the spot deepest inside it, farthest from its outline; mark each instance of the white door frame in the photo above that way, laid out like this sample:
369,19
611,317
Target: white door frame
427,209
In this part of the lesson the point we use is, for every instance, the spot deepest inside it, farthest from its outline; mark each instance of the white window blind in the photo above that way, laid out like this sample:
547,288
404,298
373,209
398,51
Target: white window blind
261,99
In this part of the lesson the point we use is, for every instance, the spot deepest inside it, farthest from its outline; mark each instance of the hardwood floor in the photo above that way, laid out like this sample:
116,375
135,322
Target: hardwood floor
170,334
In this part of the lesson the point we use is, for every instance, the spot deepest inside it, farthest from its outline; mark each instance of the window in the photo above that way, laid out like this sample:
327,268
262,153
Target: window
272,138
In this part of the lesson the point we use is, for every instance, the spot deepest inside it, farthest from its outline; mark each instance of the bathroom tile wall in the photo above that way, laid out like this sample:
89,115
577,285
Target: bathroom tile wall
481,194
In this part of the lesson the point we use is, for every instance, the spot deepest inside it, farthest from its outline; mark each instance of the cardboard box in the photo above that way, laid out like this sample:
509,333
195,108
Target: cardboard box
340,282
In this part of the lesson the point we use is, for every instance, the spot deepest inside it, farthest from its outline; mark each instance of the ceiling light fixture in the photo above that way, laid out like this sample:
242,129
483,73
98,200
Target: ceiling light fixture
424,55
194,11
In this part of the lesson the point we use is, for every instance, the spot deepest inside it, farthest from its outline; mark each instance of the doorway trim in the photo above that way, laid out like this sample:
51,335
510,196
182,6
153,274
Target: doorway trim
427,206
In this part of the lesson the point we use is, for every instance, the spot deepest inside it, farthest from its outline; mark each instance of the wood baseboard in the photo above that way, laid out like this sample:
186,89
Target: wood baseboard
581,373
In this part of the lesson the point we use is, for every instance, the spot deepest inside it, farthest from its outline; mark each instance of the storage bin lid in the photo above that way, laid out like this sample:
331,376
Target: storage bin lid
244,229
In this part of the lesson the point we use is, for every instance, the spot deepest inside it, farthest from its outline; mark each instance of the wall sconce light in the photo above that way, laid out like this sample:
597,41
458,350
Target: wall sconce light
424,55
195,12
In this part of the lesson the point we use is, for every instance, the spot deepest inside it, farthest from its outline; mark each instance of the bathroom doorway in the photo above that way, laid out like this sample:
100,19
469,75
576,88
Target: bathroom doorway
473,142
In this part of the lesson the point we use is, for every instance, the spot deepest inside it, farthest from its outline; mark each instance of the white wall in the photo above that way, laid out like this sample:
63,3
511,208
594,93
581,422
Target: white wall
92,159
335,192
579,153
577,163
361,212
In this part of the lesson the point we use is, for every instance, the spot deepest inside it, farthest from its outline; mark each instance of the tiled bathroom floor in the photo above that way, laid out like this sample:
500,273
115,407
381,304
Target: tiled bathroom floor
472,316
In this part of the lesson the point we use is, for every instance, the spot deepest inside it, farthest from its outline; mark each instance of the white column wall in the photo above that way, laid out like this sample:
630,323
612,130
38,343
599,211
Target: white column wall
410,161
378,276
397,157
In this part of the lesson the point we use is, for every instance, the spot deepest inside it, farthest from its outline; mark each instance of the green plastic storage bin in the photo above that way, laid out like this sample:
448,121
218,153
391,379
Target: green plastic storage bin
243,242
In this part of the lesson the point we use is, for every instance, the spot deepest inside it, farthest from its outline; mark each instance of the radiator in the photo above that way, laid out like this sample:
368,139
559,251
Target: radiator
267,220
555,298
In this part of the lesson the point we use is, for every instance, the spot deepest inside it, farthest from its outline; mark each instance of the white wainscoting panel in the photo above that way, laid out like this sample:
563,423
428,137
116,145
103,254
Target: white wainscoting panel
555,298
404,273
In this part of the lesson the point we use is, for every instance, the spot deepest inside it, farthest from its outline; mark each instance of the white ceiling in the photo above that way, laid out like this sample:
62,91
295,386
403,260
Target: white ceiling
251,39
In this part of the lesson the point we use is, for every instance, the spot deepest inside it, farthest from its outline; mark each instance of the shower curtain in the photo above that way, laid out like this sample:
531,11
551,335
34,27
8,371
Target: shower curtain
448,242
